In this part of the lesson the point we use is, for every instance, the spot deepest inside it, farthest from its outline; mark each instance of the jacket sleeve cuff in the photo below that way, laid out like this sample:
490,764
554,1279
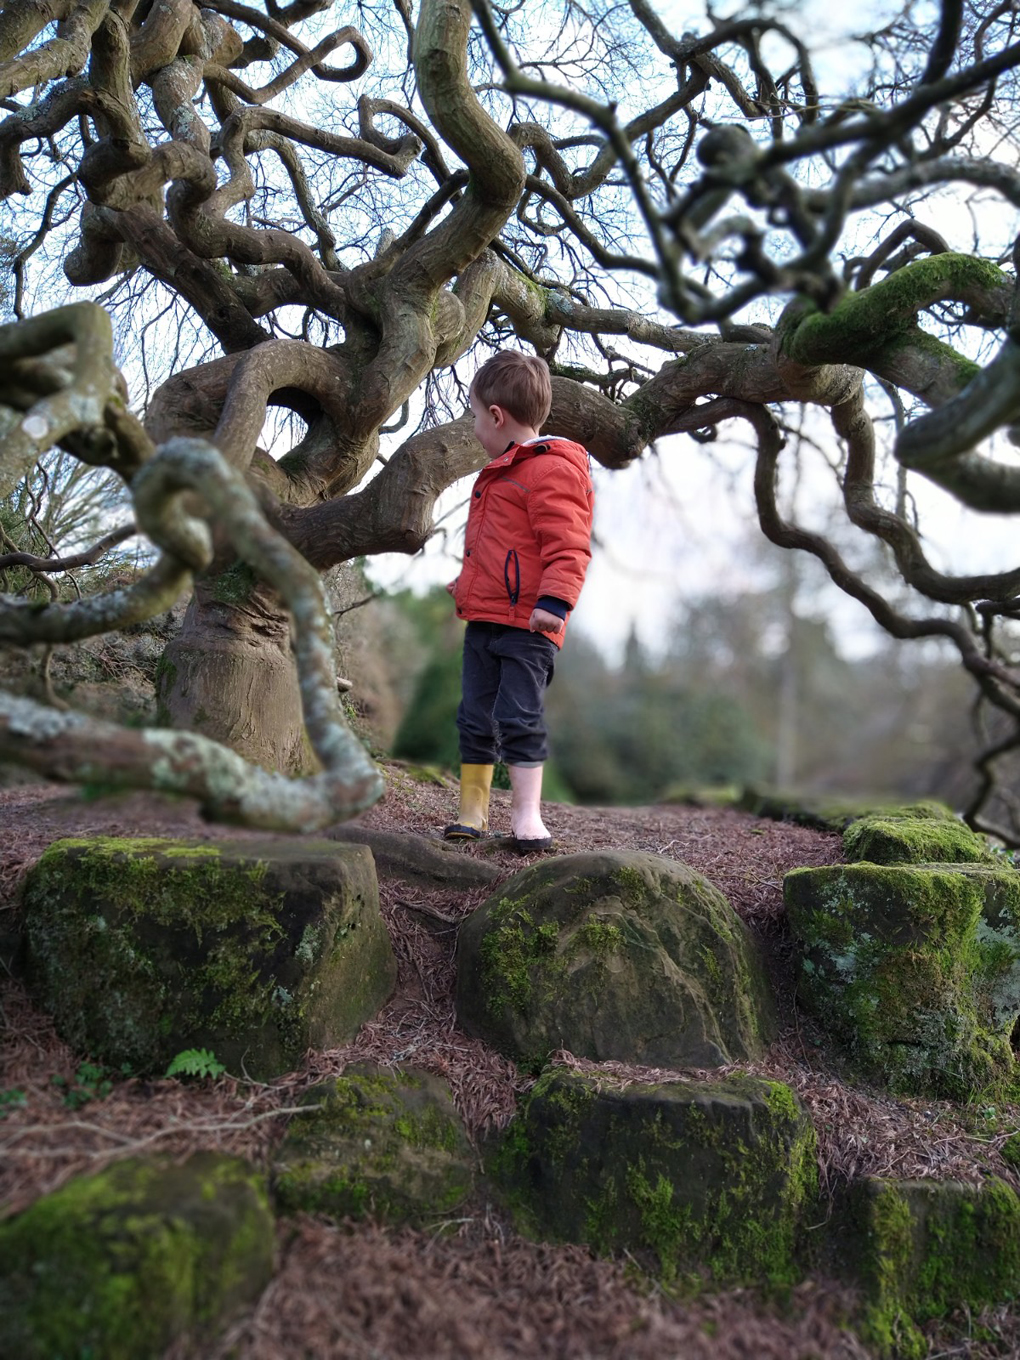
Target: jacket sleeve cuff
553,606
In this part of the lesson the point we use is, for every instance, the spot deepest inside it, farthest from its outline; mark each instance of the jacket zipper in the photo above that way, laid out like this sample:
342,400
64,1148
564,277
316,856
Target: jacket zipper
513,591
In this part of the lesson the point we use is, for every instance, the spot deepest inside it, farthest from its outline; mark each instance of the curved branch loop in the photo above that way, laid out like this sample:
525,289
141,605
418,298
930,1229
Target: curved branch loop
351,781
80,404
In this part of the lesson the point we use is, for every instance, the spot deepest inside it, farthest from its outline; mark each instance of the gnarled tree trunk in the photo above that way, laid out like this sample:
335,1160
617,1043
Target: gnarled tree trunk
230,675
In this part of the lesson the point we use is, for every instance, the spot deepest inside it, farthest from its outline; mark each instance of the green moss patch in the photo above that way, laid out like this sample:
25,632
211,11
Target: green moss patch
864,326
625,956
385,1142
922,1249
256,950
1010,1150
915,970
119,1265
235,585
915,840
706,1177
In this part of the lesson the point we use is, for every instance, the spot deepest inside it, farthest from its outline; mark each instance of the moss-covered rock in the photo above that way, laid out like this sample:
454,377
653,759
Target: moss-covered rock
379,1141
689,1176
921,1249
628,956
257,950
914,969
915,840
832,813
1009,1151
119,1265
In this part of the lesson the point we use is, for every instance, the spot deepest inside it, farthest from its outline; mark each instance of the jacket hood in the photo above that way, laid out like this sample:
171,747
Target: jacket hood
546,446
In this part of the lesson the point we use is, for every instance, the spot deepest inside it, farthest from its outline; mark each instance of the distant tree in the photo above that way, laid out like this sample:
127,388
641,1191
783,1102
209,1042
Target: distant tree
887,721
630,734
428,729
55,537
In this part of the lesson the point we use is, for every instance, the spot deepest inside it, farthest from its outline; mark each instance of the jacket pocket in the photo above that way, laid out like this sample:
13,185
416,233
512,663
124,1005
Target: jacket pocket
512,576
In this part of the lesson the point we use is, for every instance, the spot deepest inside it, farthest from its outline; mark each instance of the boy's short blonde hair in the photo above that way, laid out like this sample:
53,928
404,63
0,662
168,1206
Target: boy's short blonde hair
519,383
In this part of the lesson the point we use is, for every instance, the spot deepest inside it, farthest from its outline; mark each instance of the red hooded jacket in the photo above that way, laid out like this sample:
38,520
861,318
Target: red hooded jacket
528,533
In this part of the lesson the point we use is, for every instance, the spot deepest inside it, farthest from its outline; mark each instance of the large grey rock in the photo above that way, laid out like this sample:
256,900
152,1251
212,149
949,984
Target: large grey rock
613,955
712,1176
256,949
119,1265
378,1141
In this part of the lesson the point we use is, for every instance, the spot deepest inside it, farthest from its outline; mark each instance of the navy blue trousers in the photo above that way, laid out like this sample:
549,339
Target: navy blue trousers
502,708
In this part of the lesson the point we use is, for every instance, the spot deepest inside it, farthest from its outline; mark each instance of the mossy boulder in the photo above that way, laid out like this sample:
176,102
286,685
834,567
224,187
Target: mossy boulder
379,1141
1009,1151
119,1265
255,949
915,840
922,1249
914,969
689,1176
828,812
613,955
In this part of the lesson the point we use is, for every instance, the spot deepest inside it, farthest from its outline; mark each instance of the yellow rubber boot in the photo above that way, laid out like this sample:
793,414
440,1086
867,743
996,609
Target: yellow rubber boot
473,821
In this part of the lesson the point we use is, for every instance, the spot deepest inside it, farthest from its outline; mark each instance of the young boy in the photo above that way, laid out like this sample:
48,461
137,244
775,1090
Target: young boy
526,550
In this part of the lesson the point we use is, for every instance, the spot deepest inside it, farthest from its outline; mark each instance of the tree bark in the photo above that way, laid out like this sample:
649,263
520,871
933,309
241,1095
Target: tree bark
230,675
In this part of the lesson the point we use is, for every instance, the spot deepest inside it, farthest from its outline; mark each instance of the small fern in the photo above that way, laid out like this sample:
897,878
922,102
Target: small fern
195,1062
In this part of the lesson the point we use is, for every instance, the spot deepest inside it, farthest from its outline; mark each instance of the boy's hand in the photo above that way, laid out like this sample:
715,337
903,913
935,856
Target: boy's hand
542,621
451,586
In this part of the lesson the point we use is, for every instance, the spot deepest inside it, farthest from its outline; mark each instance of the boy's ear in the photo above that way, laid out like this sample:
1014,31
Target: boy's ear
498,415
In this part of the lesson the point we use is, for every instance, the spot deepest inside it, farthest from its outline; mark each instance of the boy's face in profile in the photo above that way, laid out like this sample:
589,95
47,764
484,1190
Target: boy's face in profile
490,423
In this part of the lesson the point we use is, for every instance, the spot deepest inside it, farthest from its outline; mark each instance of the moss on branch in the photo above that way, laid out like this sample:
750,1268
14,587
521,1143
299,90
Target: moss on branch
864,327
